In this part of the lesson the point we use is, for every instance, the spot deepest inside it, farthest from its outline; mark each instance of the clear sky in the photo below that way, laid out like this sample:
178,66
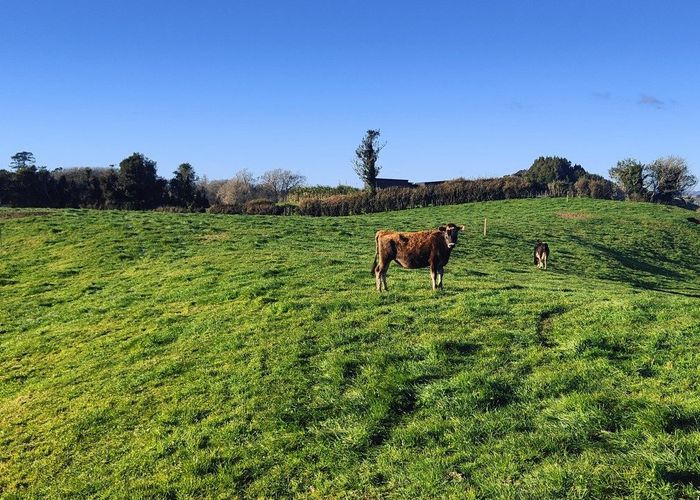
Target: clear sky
458,88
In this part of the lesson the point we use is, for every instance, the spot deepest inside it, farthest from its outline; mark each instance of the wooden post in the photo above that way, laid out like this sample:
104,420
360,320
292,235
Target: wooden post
484,226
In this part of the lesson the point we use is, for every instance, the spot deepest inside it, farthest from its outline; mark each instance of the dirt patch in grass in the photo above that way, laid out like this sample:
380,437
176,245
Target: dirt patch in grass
573,215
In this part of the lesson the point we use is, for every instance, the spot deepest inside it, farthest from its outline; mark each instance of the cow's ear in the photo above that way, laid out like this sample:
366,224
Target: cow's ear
461,228
442,228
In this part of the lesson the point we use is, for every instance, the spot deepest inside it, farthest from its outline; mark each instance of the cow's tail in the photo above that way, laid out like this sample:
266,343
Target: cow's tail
376,253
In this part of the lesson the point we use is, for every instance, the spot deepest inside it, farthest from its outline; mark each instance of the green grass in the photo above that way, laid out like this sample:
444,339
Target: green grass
190,355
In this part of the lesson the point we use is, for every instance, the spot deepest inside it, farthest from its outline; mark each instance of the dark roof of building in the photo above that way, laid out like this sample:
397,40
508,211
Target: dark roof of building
385,182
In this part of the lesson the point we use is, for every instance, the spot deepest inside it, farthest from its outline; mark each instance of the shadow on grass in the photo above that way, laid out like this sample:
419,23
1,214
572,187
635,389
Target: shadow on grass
674,292
403,403
633,261
630,267
544,325
682,478
456,348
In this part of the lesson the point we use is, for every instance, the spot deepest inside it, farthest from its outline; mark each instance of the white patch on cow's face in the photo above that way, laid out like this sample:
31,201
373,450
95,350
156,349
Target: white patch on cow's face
450,233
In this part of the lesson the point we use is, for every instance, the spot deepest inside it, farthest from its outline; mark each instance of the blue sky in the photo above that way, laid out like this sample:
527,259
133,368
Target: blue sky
471,89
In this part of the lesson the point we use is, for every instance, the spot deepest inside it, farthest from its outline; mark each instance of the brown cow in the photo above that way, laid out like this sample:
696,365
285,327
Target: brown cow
414,250
541,254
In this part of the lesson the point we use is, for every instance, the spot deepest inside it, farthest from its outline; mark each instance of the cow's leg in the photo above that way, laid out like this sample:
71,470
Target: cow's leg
441,271
380,275
544,262
433,276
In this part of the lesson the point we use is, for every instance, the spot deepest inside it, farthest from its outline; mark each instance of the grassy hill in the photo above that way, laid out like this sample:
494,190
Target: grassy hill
154,354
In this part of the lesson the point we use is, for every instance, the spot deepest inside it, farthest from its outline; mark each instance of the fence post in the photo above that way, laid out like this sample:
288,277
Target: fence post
484,226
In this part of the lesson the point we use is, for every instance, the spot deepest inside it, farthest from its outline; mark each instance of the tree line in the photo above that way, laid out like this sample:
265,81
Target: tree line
664,180
135,185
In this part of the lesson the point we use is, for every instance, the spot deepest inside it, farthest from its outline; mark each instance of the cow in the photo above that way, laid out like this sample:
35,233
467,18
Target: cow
414,250
541,254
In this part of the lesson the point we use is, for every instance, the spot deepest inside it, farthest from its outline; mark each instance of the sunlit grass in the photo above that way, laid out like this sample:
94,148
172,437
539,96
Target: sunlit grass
154,354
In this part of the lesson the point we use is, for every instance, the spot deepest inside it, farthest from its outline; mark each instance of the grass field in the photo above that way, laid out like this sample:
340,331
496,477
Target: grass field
190,355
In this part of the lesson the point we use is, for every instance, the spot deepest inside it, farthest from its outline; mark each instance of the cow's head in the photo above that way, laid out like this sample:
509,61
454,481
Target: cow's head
450,232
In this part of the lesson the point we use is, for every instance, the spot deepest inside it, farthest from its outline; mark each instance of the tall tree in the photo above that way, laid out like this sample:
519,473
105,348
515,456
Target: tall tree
630,175
140,186
669,178
23,159
112,194
366,156
183,186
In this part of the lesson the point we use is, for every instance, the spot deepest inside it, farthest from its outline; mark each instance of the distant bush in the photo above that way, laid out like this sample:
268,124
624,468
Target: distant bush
286,209
222,208
638,196
601,189
176,209
296,195
595,186
261,206
558,188
582,187
518,187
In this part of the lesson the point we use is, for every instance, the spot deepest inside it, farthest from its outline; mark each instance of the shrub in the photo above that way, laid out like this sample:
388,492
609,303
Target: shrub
517,187
172,209
582,187
558,188
600,188
222,208
446,193
260,206
298,194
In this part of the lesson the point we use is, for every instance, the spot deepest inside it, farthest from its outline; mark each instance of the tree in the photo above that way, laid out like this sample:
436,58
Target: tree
183,187
366,156
6,187
140,186
238,190
23,159
279,182
631,176
112,194
211,189
669,178
32,187
546,169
